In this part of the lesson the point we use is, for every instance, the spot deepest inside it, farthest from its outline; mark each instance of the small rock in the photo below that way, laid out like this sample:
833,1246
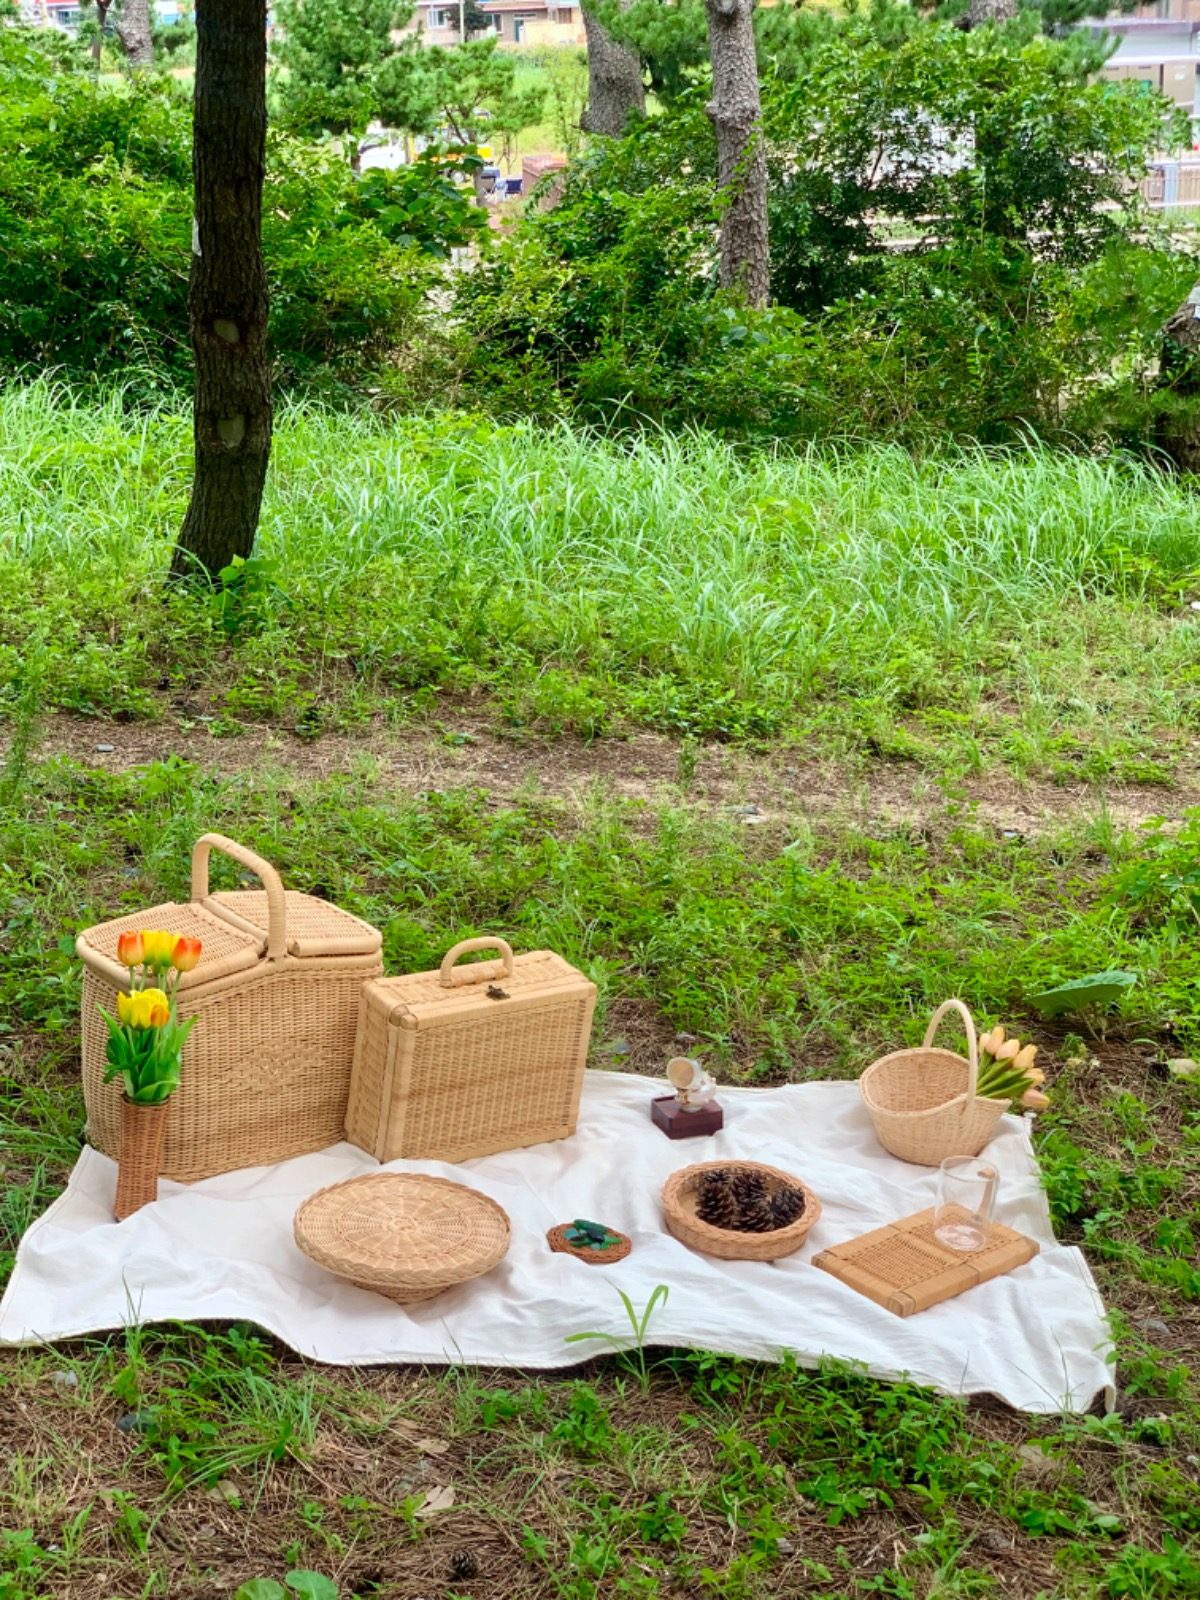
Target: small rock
225,1489
784,1546
1183,1067
105,749
1036,1461
686,1038
993,1543
135,1422
65,1380
207,1530
620,1047
1155,1328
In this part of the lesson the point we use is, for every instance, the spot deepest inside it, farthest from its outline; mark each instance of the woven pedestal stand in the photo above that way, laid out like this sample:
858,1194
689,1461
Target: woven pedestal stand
143,1136
557,1240
402,1234
682,1190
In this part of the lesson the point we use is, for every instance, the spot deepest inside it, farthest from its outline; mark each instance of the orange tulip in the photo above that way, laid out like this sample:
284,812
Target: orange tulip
186,953
131,949
160,1015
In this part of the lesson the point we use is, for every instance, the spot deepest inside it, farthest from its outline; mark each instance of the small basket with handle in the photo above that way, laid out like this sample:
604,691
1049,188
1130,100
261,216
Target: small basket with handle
923,1102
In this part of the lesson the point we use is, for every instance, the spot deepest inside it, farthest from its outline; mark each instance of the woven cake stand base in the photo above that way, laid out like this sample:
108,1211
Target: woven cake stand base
557,1240
401,1234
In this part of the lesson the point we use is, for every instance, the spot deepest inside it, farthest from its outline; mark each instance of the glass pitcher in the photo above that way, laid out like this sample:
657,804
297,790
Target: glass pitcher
966,1202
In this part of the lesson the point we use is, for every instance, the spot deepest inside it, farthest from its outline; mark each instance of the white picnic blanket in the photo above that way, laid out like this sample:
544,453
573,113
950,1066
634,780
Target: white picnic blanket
224,1249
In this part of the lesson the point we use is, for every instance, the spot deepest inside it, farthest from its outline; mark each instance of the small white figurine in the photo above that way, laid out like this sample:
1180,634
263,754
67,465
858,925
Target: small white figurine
694,1088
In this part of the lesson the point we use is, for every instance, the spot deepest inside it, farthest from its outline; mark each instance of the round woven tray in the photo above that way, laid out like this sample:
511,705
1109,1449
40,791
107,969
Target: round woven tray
681,1191
402,1234
557,1240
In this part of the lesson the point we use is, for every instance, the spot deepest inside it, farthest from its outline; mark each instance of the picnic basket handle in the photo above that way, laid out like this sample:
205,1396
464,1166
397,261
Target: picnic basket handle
476,973
972,1045
271,882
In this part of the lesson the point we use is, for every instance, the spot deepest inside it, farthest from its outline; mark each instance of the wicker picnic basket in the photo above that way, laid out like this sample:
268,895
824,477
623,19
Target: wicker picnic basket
682,1190
266,1070
402,1234
470,1060
923,1102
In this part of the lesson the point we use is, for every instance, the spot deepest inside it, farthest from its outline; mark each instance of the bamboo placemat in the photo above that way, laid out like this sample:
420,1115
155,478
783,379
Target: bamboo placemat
904,1269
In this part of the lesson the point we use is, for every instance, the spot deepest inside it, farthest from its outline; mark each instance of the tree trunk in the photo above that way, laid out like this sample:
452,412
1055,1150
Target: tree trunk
102,7
1179,373
981,11
227,296
616,91
736,112
133,30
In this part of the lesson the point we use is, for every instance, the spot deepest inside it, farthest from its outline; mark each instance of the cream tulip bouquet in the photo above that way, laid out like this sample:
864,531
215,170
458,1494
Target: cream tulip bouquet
1007,1072
146,1037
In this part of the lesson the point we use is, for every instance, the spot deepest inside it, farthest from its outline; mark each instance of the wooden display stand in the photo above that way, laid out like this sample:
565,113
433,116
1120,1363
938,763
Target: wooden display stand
677,1122
904,1269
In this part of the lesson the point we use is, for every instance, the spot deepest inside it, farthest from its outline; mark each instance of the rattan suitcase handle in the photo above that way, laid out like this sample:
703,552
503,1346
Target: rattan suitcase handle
972,1045
481,970
271,882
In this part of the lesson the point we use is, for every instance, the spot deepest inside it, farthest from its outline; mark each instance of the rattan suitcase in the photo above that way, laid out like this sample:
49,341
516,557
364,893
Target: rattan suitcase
470,1060
266,1070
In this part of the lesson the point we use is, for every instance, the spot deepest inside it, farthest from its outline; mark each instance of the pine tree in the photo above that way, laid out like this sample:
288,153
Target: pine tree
334,53
227,292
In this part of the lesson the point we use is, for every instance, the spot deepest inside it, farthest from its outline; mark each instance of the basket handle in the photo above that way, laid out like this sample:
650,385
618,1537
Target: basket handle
968,1022
271,882
480,970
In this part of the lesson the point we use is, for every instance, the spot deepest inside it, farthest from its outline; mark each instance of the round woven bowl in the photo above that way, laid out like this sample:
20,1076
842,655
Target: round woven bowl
682,1190
404,1235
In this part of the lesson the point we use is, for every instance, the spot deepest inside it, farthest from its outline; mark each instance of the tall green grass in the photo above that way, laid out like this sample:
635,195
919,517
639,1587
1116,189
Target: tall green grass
429,548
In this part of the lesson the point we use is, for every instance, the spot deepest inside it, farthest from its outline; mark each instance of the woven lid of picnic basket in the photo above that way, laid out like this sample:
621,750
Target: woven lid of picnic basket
237,928
402,1234
455,993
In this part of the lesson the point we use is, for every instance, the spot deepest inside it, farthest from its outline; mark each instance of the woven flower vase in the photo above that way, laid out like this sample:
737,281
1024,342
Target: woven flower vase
923,1102
143,1137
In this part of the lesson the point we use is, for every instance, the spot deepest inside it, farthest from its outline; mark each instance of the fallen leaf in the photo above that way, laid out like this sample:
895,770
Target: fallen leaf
439,1498
433,1447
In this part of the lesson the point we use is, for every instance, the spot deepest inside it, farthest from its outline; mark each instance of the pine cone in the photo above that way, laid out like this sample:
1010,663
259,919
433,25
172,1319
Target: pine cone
756,1215
787,1206
750,1191
463,1565
716,1202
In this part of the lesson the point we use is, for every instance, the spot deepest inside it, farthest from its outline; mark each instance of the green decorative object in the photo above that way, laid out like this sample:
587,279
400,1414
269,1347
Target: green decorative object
585,1235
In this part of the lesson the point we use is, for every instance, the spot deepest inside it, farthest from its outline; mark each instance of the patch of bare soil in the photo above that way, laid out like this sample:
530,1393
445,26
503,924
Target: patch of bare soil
780,786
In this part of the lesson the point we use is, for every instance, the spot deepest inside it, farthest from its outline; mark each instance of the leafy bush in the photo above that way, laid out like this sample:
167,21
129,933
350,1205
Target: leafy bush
95,208
954,244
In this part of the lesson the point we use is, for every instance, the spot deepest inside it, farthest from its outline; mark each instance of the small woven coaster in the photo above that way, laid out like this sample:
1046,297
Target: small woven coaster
557,1240
904,1268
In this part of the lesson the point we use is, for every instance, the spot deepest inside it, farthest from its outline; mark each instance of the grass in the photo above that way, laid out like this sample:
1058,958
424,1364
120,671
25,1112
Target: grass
1024,614
1021,615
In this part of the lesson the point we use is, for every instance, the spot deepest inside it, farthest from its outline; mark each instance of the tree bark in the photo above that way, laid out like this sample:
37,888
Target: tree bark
1179,372
102,7
227,295
736,112
135,34
616,90
981,11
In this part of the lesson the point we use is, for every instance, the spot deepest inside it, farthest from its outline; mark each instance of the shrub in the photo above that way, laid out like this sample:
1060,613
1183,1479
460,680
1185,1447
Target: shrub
95,213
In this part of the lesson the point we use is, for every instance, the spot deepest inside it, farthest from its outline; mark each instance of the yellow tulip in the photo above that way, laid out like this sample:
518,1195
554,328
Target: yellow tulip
159,947
144,1008
1008,1050
1025,1058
